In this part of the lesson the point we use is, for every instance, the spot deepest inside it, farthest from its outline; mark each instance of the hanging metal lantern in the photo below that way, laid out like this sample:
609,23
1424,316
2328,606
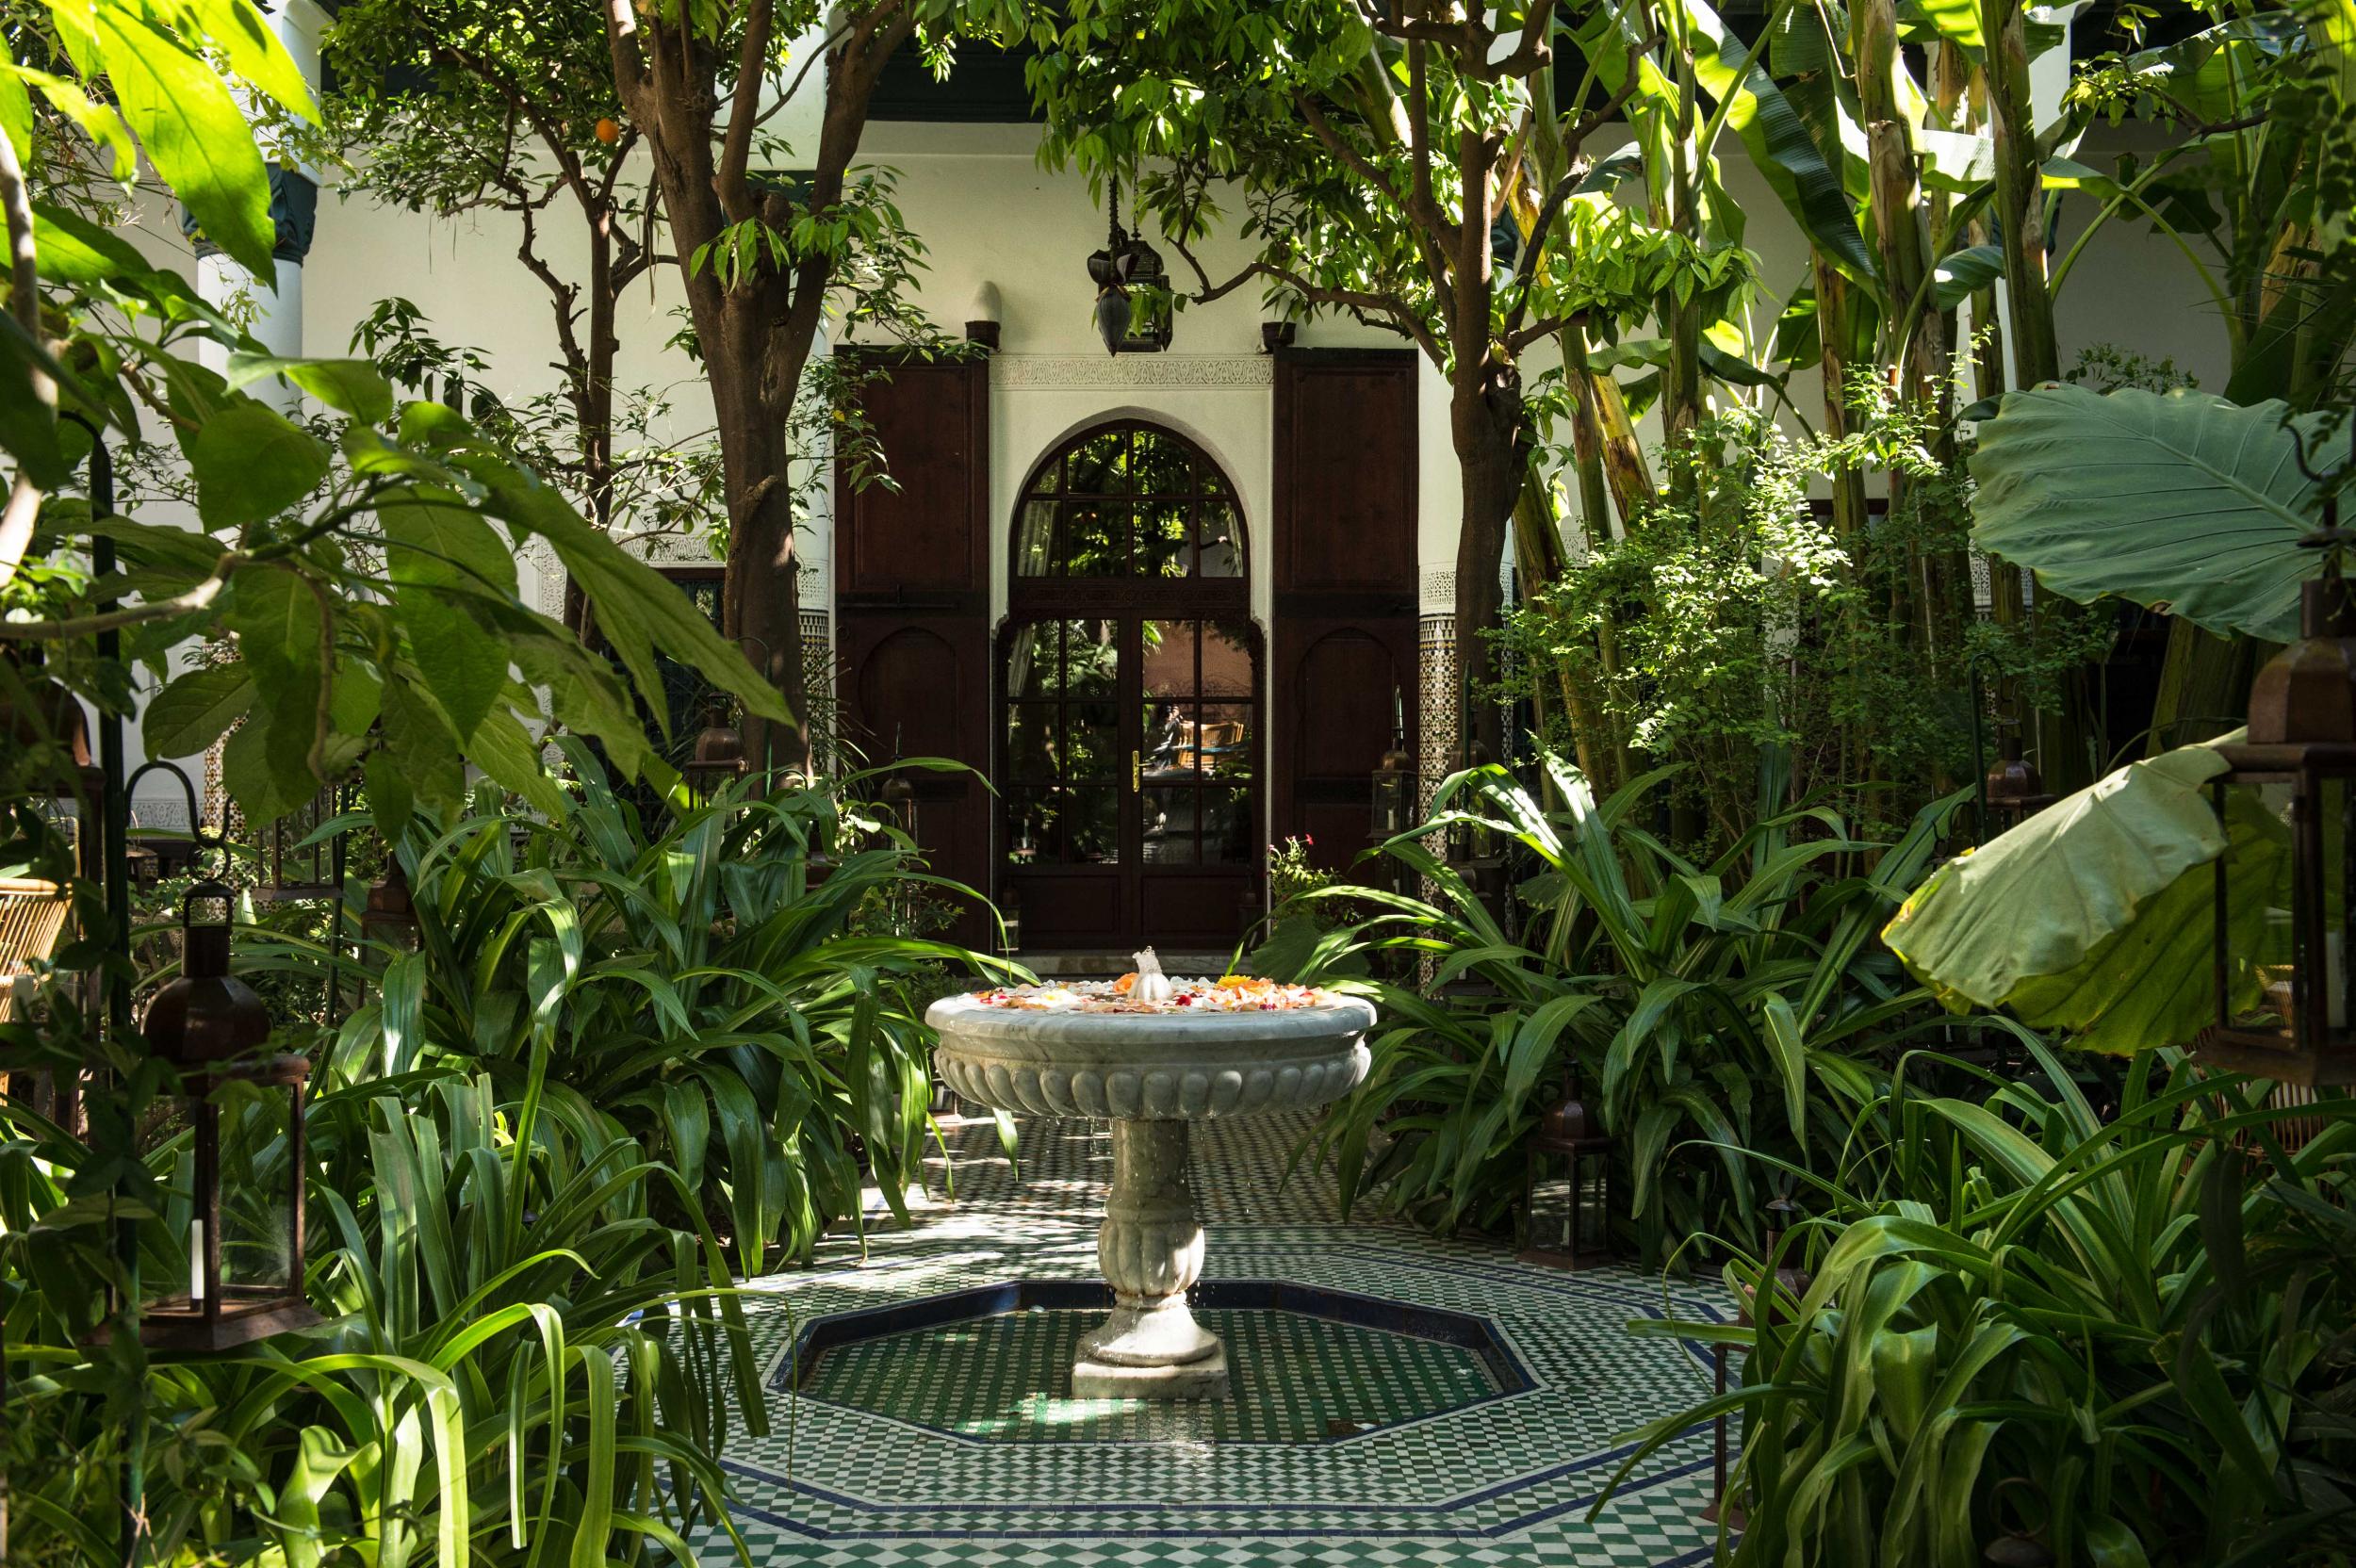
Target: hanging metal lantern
243,1112
899,798
1566,1194
2298,767
1134,312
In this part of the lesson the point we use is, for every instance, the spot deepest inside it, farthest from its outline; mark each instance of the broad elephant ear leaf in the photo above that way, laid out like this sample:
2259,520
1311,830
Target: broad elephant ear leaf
2183,501
2096,917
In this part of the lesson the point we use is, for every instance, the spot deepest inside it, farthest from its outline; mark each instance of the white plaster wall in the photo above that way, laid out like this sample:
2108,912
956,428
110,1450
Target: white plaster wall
990,213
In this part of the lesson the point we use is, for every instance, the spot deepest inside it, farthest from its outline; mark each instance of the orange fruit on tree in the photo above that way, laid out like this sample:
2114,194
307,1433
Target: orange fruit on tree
609,130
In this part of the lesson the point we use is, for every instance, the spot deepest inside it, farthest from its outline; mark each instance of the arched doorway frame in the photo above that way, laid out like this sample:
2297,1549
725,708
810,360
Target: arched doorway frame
1153,891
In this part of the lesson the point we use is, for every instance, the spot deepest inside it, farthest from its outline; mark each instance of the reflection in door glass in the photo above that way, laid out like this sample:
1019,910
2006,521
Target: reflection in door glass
1169,650
1094,834
1170,825
1226,659
1221,542
1228,836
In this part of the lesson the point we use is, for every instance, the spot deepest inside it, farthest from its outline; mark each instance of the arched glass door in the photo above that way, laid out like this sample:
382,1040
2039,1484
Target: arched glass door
1130,695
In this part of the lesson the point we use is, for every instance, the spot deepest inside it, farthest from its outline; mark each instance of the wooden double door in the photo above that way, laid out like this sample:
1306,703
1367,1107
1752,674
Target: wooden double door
1129,770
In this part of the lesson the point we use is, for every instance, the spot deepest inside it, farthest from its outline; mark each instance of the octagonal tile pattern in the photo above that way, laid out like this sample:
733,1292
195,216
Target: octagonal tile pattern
992,1365
1504,1476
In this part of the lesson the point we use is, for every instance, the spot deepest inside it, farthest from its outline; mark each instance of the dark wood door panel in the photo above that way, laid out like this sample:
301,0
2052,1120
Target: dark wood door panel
1345,436
1342,651
912,579
927,532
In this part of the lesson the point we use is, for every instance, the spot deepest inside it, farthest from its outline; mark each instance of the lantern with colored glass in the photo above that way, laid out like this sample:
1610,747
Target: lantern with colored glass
242,1113
1566,1196
2285,991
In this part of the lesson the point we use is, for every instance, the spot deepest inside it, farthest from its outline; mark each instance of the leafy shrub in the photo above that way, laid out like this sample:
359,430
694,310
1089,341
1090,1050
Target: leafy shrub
701,976
2128,1341
521,1362
1708,1007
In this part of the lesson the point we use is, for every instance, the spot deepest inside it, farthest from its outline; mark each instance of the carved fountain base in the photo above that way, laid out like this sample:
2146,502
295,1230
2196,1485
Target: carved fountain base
1151,1250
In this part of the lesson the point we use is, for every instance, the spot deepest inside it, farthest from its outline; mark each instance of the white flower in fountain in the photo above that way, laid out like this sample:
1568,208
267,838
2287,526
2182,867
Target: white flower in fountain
1153,984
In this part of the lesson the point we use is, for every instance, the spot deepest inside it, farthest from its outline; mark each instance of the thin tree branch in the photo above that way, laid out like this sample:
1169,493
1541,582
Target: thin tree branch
743,110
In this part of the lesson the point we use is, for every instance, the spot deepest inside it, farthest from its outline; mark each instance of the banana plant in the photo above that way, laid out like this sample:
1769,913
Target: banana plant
1707,1007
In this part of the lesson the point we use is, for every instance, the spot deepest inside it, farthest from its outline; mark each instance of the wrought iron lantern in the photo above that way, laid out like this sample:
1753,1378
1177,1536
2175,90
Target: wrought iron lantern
718,758
245,1240
899,798
2014,789
1134,311
1567,1195
390,917
2298,766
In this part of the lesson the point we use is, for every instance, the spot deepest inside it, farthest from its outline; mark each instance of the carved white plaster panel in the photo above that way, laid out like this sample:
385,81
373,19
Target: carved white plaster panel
1214,372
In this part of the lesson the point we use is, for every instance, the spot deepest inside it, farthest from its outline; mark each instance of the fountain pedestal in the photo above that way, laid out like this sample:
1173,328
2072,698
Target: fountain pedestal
1153,1075
1151,1250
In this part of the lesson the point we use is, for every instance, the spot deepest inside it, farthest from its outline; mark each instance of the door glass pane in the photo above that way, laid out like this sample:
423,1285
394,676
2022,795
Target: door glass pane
1164,545
1031,743
1099,466
1227,660
1091,658
1093,742
1031,660
1033,828
1169,835
1221,541
1225,740
1169,657
1228,835
1034,545
1093,833
1096,539
1162,466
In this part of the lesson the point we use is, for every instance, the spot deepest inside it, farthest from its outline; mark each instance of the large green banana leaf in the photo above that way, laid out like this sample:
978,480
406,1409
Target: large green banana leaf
2181,502
2096,917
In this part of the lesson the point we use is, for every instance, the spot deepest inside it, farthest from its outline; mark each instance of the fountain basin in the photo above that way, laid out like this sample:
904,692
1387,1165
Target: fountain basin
1151,1075
1151,1067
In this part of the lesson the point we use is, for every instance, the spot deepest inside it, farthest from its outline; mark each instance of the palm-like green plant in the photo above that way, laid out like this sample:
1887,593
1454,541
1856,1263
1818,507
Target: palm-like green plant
522,1364
2129,1340
1711,1006
704,983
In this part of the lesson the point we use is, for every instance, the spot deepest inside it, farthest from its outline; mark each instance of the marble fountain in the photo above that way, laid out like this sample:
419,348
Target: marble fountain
1152,1056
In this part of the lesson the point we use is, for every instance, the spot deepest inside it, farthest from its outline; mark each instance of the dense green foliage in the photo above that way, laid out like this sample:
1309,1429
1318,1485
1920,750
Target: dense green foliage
2127,1340
522,1363
1705,1008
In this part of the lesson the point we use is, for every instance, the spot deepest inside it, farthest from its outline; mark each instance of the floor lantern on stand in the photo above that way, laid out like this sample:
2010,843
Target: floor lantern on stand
243,1112
1566,1196
2285,992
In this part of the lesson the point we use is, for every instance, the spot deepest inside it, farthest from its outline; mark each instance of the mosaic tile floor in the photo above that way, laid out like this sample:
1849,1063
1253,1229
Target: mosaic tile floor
929,1450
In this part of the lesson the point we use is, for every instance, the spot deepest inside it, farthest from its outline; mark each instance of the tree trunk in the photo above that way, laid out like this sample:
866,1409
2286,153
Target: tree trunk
1484,420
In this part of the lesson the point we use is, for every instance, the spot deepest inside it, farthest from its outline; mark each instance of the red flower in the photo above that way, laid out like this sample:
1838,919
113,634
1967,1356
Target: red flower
1307,838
